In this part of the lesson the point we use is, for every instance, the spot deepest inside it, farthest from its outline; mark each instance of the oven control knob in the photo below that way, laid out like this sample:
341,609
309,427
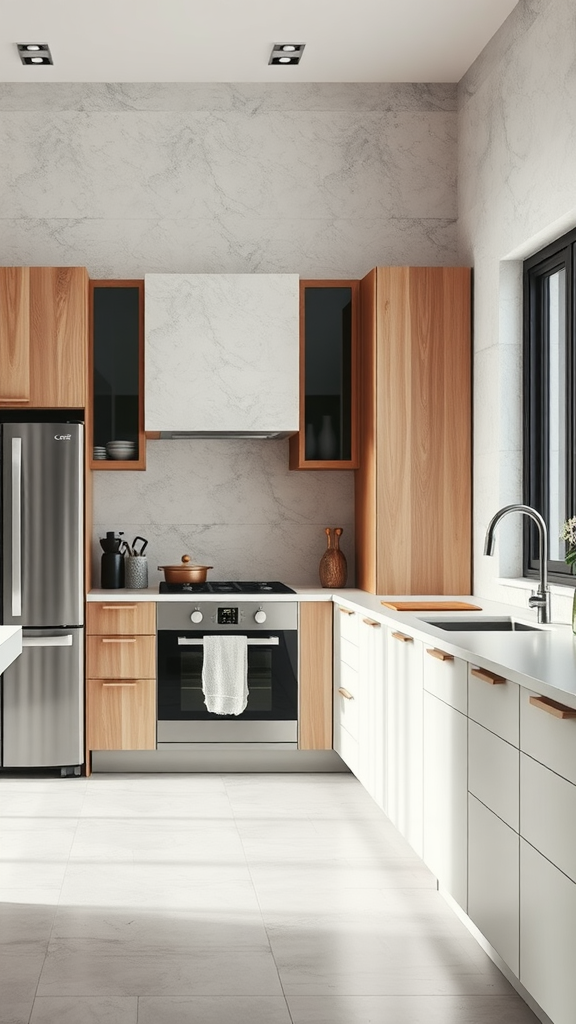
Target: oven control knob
197,616
260,616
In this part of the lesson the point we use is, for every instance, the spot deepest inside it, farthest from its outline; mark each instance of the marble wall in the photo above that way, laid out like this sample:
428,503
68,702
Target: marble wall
320,180
516,175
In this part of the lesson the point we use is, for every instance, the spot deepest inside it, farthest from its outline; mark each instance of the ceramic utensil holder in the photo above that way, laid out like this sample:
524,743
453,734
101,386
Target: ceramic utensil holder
135,572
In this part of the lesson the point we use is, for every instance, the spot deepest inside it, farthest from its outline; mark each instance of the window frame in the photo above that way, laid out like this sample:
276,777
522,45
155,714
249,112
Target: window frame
536,380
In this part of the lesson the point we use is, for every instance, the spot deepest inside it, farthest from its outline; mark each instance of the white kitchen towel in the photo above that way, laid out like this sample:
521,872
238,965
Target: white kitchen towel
225,674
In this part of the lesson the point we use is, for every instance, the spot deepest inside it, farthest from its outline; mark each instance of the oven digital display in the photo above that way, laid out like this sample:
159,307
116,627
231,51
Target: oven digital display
227,617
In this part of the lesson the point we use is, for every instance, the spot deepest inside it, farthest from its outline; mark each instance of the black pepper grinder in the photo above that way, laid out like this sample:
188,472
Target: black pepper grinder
112,566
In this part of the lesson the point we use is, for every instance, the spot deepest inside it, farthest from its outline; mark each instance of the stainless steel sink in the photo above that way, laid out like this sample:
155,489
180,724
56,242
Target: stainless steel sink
496,624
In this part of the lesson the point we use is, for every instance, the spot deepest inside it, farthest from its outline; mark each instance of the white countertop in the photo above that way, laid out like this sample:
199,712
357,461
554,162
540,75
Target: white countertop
10,645
544,660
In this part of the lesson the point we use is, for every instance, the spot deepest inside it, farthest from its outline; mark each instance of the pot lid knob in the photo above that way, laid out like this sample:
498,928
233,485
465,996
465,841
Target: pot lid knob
185,559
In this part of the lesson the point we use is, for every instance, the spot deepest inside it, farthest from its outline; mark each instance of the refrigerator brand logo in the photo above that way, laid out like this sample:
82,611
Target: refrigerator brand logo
62,437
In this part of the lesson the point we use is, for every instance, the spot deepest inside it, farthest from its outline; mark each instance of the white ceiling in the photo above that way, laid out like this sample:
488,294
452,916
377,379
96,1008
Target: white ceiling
231,40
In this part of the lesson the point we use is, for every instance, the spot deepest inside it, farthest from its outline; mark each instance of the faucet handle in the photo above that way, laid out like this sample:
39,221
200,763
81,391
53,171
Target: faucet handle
541,600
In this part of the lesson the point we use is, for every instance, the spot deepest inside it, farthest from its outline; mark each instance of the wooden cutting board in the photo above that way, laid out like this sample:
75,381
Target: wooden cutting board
431,606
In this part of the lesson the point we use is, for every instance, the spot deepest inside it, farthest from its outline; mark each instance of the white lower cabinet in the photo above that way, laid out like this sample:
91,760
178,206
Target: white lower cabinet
493,880
404,736
372,709
446,796
547,935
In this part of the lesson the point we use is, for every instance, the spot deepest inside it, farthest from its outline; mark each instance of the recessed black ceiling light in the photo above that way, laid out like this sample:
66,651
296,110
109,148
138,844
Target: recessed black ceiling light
286,53
34,53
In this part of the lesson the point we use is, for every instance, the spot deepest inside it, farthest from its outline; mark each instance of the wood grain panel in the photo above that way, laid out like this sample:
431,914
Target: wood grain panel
58,336
110,618
121,715
14,335
365,476
315,716
413,491
394,425
121,657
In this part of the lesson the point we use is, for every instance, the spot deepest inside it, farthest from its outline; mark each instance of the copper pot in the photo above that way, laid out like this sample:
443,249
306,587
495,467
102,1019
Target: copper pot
185,573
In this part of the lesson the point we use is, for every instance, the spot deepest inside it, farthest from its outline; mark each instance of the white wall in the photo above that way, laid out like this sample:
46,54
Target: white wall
320,180
517,191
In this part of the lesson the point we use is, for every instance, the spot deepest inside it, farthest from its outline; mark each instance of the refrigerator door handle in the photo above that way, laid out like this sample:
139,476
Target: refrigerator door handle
16,526
47,641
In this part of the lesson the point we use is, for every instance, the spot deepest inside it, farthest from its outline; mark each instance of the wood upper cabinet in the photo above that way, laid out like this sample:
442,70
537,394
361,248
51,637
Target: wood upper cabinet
327,437
15,335
413,488
43,337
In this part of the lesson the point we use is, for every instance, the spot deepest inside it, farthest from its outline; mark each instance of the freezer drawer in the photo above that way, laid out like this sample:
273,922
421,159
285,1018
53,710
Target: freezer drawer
42,701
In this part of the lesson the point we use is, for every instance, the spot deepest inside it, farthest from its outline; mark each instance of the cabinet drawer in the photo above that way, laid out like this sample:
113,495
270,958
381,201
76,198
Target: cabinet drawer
548,814
121,714
496,706
547,935
347,746
493,773
346,704
347,623
446,679
110,618
493,881
349,654
121,657
548,739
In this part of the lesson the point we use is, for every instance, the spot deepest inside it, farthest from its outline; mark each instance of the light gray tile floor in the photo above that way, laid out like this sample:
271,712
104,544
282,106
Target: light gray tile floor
226,899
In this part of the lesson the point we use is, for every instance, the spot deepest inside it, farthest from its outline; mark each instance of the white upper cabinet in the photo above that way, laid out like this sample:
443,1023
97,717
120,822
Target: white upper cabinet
222,353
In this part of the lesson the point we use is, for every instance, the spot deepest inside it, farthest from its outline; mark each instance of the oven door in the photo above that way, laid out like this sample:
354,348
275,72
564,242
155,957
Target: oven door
272,710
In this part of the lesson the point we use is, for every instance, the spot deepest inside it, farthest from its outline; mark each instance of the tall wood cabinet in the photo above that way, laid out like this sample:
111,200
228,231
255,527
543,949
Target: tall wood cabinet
43,337
413,488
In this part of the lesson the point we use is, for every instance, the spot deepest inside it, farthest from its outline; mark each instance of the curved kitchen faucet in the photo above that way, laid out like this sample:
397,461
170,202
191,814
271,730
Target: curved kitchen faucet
541,598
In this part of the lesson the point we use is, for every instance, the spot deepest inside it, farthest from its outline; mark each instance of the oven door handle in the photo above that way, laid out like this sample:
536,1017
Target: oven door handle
261,641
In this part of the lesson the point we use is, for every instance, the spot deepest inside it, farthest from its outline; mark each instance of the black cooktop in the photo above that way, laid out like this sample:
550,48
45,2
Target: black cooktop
241,587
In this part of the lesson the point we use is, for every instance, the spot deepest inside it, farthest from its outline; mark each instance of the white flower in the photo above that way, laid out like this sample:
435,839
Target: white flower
569,531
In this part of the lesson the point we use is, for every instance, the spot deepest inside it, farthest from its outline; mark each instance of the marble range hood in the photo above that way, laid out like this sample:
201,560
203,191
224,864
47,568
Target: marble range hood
222,355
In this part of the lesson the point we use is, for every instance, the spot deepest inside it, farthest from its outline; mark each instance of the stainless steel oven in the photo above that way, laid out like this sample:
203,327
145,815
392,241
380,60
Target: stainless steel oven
271,714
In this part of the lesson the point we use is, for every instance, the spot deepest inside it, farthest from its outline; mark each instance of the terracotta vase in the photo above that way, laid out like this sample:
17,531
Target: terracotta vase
333,569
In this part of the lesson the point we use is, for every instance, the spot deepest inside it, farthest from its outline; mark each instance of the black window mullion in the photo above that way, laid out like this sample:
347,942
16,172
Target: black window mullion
537,272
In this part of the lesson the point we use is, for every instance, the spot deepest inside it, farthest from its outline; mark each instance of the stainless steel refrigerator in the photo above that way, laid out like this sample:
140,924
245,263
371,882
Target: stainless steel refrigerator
42,513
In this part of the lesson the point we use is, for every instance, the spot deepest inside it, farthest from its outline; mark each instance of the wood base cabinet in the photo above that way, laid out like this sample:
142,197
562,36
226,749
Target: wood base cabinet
413,487
121,676
122,714
315,676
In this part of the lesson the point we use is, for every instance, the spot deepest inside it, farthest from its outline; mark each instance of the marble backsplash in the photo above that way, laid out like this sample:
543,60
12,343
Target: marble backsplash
233,504
321,180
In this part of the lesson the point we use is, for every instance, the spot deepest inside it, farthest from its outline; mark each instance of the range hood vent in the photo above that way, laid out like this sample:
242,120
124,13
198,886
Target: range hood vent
209,435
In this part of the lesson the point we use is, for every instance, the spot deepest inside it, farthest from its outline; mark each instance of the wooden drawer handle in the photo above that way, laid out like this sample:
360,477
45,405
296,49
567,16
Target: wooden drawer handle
372,622
552,707
118,607
119,640
119,684
4,399
486,676
403,637
440,655
347,611
345,693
